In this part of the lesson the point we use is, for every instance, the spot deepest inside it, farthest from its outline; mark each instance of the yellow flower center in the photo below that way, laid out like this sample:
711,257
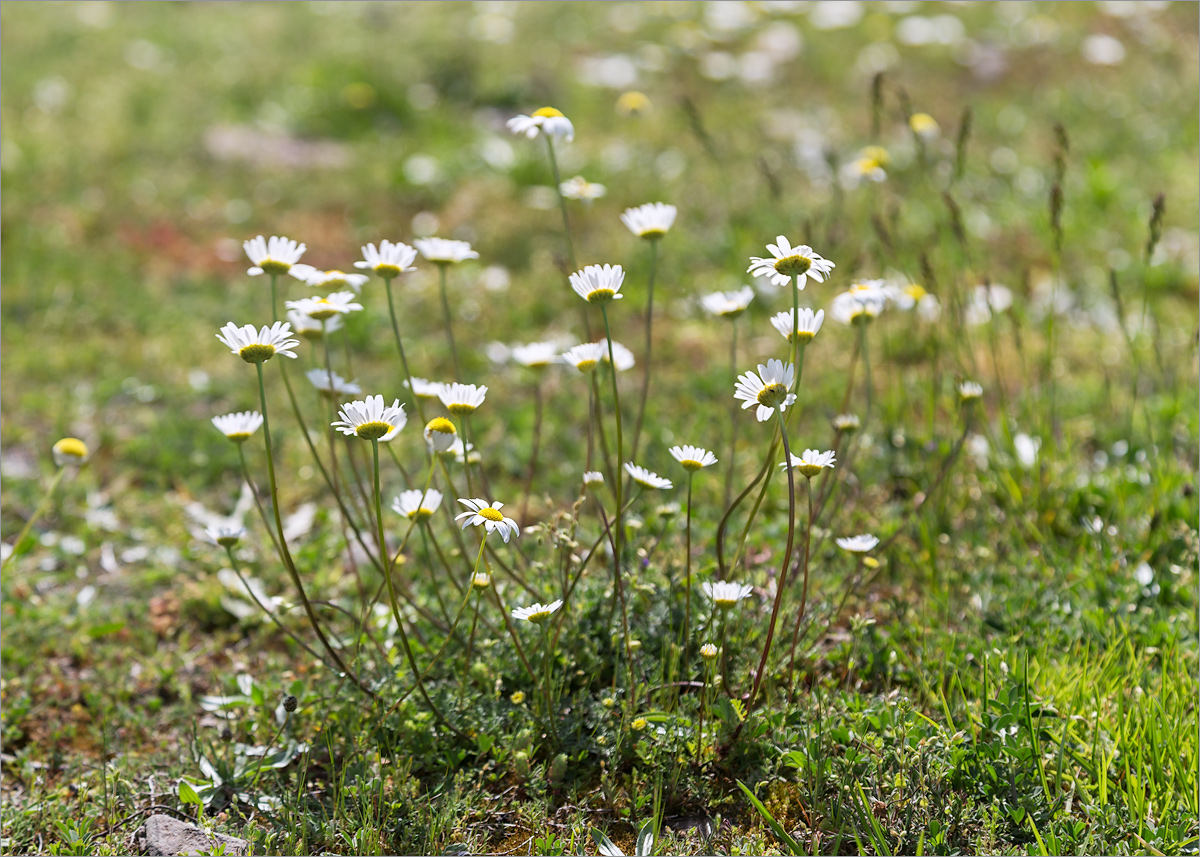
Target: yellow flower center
491,514
804,336
877,154
328,310
441,424
809,470
772,395
387,271
334,279
373,430
632,103
547,113
638,725
420,515
274,266
586,365
257,353
239,436
600,296
652,234
691,464
793,266
725,602
460,408
73,447
915,291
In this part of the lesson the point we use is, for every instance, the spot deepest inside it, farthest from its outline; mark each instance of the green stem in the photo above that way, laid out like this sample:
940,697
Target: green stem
262,513
795,324
512,632
449,326
37,513
803,590
637,429
618,480
562,202
533,455
733,415
267,610
387,281
687,578
274,299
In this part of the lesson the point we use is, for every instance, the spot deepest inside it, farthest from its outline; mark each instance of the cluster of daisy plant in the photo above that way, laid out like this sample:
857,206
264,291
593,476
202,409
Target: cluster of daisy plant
438,569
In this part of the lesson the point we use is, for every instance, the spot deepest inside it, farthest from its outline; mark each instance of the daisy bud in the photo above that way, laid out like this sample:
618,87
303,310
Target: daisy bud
70,450
440,434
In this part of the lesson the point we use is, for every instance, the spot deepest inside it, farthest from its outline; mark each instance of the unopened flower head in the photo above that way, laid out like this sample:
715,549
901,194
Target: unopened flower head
226,537
861,303
726,594
787,261
585,357
257,346
620,353
804,330
536,355
440,434
582,189
924,126
857,544
969,391
708,651
846,422
693,457
537,613
462,399
388,260
544,120
481,580
650,221
870,163
728,304
334,279
239,426
811,462
633,103
768,389
69,450
599,284
417,505
311,329
320,309
639,723
488,516
273,256
517,698
331,385
592,477
425,389
371,419
445,251
646,478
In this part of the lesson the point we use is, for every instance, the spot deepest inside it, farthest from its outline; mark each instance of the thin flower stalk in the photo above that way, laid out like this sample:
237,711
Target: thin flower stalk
512,632
619,480
38,511
533,453
637,426
387,284
449,324
267,610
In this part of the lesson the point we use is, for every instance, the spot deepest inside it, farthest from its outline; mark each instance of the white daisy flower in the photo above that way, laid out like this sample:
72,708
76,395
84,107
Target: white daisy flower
239,426
536,355
620,353
969,391
462,399
592,477
581,188
537,613
861,303
857,544
652,220
846,422
69,450
728,304
807,327
599,284
726,594
708,651
768,389
646,478
545,120
489,517
337,303
389,260
331,387
693,457
787,261
440,434
811,462
586,357
986,301
425,389
226,537
417,505
257,346
274,256
370,419
481,580
445,251
335,279
309,327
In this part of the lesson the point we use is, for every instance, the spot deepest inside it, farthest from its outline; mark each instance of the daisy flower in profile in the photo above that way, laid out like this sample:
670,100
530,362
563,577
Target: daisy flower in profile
440,434
334,279
870,164
462,399
768,389
536,355
481,580
811,462
309,327
239,426
226,537
708,651
728,304
320,309
417,505
425,389
371,419
488,516
650,221
646,478
582,189
537,613
914,296
585,357
274,256
969,391
787,261
544,120
620,353
331,384
599,284
860,304
258,346
388,260
592,477
692,457
726,594
924,126
445,251
633,103
805,329
69,450
857,544
846,422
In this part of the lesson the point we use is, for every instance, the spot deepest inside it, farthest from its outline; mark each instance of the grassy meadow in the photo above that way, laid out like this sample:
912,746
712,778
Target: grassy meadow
1011,669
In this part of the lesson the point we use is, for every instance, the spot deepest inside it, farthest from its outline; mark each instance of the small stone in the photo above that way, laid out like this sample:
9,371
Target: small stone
165,836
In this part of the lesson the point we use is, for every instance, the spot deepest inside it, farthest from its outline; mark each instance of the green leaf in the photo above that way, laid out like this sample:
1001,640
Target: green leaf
786,838
605,845
187,794
645,840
